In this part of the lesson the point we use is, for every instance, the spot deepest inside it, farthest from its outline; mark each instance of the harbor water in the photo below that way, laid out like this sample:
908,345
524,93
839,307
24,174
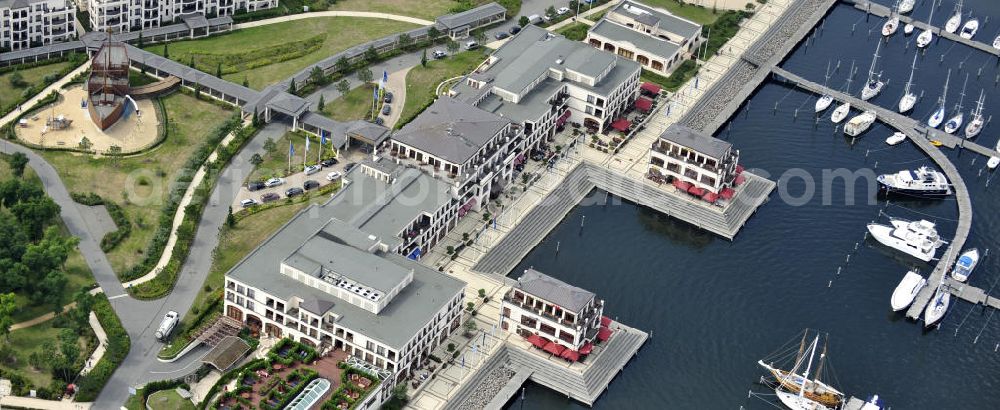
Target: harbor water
714,307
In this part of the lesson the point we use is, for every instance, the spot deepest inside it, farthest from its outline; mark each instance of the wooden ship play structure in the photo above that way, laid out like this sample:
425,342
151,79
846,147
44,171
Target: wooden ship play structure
107,86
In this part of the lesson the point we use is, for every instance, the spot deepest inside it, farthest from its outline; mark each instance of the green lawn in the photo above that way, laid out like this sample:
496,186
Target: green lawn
684,72
267,54
422,81
11,96
168,400
30,339
141,183
695,13
354,105
575,31
424,9
276,163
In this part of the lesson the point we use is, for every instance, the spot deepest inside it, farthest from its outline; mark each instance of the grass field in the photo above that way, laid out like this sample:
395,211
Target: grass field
276,163
422,81
267,54
425,9
10,95
77,272
695,13
352,106
168,400
30,339
141,183
574,31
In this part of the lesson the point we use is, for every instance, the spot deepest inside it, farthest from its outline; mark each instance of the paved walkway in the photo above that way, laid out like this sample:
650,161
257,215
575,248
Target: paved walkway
56,86
30,403
362,14
48,316
102,344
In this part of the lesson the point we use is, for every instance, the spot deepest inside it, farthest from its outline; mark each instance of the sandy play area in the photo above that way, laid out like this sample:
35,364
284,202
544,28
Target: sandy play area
132,132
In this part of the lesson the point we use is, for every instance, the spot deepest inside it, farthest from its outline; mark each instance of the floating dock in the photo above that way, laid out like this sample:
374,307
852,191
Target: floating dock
879,10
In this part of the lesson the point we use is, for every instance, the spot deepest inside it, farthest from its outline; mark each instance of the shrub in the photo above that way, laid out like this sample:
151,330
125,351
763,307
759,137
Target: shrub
118,346
113,238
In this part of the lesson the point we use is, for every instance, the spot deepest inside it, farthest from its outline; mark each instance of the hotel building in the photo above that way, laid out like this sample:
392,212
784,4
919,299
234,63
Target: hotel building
703,161
134,15
32,23
652,37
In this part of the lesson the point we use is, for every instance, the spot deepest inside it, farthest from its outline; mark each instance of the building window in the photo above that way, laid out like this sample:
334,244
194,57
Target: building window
250,293
506,312
591,99
589,110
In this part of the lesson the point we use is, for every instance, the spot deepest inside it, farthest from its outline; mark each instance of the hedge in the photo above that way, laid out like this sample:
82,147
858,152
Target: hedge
113,238
117,348
75,58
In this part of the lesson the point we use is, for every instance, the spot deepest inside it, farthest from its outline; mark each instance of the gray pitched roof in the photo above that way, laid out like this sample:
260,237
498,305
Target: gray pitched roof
644,42
695,140
190,75
566,296
288,104
451,130
451,21
649,15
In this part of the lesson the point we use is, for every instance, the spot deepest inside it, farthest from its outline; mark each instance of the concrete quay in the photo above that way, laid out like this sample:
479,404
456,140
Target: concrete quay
879,10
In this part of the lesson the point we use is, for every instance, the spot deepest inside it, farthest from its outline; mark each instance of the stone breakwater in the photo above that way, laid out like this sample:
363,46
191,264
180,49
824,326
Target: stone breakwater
488,388
756,61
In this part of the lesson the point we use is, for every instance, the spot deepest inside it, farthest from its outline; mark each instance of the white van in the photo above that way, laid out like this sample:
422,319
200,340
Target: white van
534,19
471,45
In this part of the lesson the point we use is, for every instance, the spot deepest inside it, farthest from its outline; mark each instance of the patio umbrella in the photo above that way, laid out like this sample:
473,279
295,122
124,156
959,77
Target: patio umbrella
653,88
570,354
603,334
621,124
536,340
644,104
605,321
587,348
727,193
554,348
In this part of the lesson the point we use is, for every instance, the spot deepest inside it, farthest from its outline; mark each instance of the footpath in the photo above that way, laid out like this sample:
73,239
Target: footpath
332,13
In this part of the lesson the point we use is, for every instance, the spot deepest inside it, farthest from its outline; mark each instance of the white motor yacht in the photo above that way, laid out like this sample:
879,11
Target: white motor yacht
905,240
965,264
922,227
923,182
969,29
859,124
938,307
895,138
907,290
890,26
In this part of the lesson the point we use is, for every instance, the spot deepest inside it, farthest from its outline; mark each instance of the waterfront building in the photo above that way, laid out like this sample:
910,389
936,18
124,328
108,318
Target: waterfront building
542,80
322,281
654,38
34,23
120,16
539,305
700,160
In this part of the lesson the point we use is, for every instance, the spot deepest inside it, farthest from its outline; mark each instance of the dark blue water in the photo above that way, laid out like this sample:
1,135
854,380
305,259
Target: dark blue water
715,307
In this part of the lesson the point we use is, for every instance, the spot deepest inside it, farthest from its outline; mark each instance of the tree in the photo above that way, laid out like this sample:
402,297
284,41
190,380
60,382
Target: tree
433,33
344,87
423,58
256,160
405,41
17,80
321,104
291,87
34,214
17,162
255,120
342,65
480,36
230,219
270,147
317,76
365,75
452,46
470,326
371,55
60,358
138,42
191,63
246,83
7,308
115,151
166,52
218,70
523,21
197,91
551,11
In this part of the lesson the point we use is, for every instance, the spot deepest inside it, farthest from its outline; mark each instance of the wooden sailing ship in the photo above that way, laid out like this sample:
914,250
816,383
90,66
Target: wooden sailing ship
804,384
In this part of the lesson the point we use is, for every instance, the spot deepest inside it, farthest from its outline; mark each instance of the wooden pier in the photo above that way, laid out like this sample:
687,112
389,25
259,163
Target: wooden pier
884,12
919,135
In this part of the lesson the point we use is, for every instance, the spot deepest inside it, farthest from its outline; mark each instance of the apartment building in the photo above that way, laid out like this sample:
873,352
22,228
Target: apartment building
542,80
32,23
696,162
652,37
323,282
134,15
546,310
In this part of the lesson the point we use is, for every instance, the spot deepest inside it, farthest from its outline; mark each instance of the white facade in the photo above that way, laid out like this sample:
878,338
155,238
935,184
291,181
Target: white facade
654,38
132,15
527,314
708,164
33,23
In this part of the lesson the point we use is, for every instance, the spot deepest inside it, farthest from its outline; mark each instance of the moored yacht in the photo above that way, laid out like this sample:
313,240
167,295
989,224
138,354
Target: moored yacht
908,99
905,6
908,29
800,388
938,117
955,122
923,182
890,26
976,125
823,102
840,112
937,307
859,124
906,240
967,261
994,160
907,290
996,42
874,84
926,36
895,138
953,22
969,29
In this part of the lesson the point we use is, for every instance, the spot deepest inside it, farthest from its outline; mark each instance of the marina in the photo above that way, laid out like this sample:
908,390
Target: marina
880,10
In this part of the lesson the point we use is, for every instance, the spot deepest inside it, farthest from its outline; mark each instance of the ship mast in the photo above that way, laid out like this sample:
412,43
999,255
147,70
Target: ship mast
805,375
822,356
913,67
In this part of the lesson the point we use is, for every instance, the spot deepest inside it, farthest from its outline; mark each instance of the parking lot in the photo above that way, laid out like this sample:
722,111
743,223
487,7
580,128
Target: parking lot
298,178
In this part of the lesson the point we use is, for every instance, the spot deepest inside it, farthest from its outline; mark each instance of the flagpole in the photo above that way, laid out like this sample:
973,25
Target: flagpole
290,148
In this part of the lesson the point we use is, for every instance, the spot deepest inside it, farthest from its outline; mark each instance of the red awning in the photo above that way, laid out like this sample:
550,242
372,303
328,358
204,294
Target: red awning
710,197
693,190
681,185
563,118
740,179
605,321
653,88
727,193
739,169
644,104
570,354
537,341
621,124
554,348
603,334
587,348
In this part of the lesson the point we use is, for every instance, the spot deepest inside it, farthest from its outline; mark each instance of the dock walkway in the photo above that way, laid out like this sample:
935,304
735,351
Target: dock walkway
879,10
919,135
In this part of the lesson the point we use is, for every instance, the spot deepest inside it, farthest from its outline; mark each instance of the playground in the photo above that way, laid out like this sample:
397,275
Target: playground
66,123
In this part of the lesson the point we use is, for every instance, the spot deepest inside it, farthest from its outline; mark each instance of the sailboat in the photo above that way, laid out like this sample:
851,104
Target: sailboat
994,159
825,100
976,125
955,20
906,6
938,307
955,122
996,42
890,26
909,99
874,84
841,111
797,390
969,29
938,117
926,36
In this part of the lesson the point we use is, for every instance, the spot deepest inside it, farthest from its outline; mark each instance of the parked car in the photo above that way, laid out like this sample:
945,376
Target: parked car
471,45
294,191
255,186
439,54
349,166
246,203
329,162
273,182
514,30
388,97
333,176
268,197
500,35
386,109
310,184
379,121
562,10
166,325
547,18
534,19
312,169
